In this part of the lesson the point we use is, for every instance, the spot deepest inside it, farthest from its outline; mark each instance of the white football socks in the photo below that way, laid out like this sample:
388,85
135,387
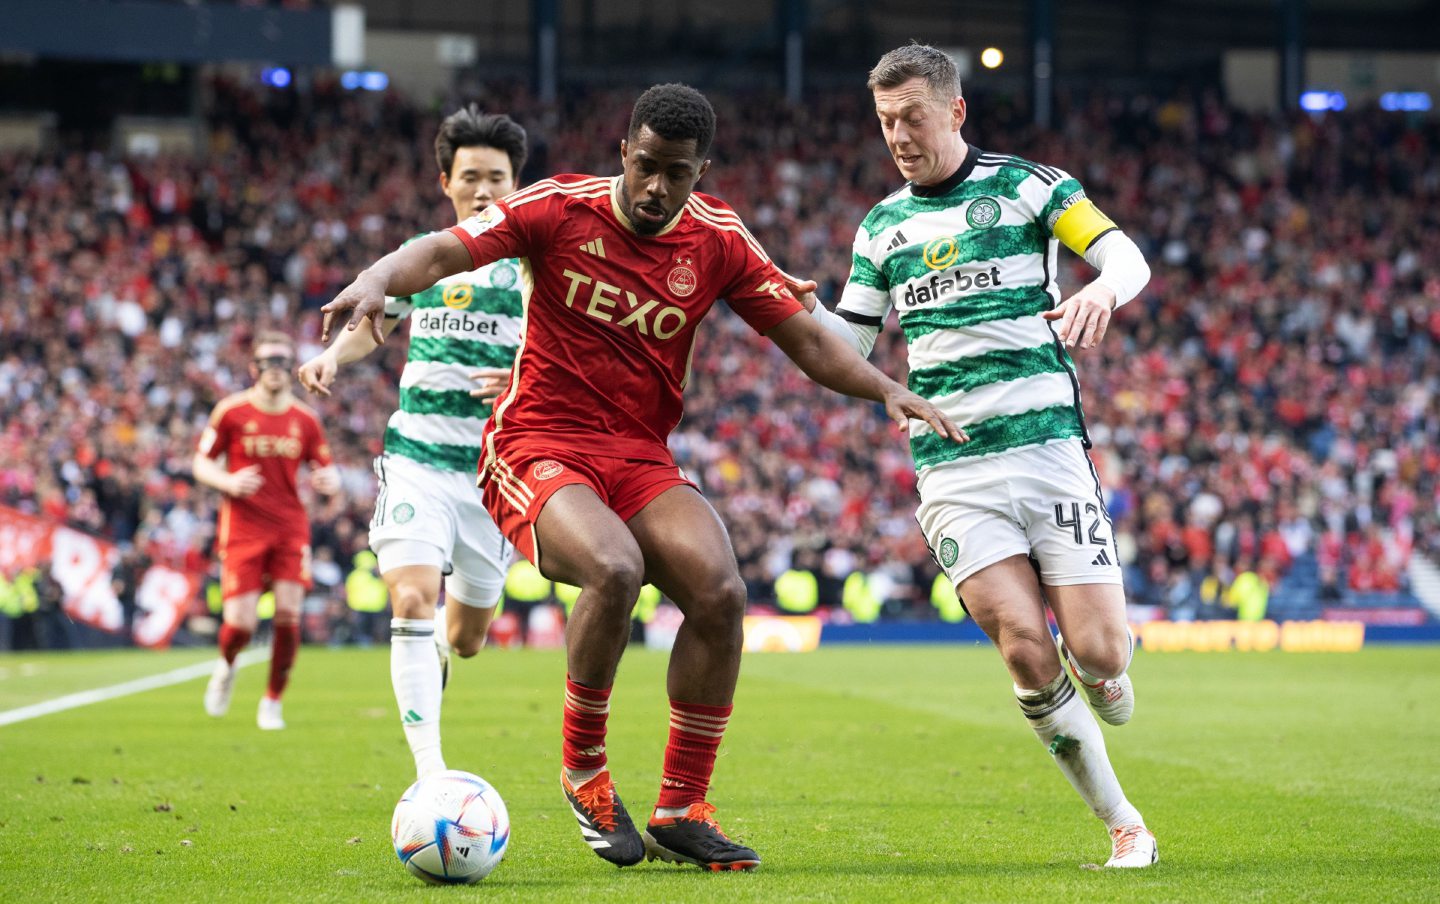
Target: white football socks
1067,728
415,675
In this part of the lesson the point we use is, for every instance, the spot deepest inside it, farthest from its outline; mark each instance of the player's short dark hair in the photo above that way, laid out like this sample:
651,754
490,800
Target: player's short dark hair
916,60
468,127
675,112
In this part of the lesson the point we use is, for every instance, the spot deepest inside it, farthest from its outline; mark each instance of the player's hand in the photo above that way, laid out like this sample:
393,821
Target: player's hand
318,373
904,406
365,297
326,480
803,289
492,382
1084,317
246,481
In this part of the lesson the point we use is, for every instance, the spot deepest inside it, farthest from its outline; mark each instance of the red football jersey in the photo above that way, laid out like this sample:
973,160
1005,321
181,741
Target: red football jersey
611,316
245,435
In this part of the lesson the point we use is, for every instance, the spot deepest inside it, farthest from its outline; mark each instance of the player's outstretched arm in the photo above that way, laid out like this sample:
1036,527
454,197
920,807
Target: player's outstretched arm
407,270
319,372
859,337
830,361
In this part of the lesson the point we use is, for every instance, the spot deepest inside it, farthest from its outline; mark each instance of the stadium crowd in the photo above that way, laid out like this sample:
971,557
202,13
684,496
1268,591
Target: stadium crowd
1266,407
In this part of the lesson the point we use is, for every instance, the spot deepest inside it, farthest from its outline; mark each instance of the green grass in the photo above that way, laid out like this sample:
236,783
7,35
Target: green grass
860,774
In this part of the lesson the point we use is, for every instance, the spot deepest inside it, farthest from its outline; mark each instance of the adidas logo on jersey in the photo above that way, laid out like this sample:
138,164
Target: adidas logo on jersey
1102,559
596,247
897,241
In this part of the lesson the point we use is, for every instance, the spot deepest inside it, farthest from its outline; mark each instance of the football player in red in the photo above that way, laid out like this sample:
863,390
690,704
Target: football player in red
619,271
251,451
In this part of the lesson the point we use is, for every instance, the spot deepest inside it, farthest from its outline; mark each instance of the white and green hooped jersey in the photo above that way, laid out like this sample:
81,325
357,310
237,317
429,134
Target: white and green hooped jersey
465,321
969,265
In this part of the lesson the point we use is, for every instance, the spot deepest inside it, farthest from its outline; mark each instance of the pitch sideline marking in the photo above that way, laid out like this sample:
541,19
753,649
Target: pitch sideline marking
99,694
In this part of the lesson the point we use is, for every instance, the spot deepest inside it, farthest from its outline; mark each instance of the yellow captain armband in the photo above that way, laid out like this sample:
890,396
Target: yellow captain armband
1080,225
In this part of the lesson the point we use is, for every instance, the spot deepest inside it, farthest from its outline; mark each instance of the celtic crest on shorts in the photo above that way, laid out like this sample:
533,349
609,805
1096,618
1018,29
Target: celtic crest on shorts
949,552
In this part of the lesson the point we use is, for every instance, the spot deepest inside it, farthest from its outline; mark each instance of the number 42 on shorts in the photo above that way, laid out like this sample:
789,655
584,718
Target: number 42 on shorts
1068,518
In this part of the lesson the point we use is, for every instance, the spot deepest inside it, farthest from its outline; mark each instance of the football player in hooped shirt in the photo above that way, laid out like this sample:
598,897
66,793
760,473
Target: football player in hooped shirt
966,253
262,434
575,467
430,525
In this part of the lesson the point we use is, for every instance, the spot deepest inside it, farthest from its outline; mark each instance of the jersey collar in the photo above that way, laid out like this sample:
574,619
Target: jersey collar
967,166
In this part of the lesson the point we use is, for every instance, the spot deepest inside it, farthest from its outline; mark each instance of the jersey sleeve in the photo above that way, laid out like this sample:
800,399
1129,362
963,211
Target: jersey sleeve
216,437
866,298
1066,214
500,231
756,289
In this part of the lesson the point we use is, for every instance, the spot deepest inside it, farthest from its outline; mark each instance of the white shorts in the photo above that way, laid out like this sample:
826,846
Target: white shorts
1043,502
427,516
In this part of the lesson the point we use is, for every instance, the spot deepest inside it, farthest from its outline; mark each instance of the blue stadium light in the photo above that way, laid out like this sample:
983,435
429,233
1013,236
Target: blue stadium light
1405,101
275,76
1321,101
368,81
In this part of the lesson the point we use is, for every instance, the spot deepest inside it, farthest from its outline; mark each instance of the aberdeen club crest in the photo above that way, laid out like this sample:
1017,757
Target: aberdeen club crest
682,280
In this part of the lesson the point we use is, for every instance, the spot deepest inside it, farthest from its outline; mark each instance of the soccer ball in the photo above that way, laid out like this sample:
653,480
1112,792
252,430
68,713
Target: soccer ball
450,828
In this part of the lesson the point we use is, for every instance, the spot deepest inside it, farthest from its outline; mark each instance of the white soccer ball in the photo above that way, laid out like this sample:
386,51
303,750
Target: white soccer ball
450,828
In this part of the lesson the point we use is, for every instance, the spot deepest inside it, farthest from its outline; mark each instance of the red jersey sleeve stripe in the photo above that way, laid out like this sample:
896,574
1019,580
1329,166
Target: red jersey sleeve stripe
715,213
589,188
737,228
726,219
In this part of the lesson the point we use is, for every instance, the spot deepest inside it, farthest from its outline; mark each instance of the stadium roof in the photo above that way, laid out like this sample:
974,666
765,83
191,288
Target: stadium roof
1166,30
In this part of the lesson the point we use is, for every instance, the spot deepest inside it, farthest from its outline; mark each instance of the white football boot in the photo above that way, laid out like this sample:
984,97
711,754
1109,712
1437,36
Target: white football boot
1133,848
217,692
1113,699
270,716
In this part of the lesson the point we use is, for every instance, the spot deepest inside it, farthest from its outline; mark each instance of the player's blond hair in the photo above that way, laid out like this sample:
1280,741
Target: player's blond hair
272,337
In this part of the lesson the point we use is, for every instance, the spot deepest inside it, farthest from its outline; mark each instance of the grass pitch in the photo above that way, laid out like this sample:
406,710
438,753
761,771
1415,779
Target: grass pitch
859,774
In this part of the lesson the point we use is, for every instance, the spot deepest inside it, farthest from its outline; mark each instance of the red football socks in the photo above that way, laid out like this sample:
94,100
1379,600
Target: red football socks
695,733
283,646
232,641
586,709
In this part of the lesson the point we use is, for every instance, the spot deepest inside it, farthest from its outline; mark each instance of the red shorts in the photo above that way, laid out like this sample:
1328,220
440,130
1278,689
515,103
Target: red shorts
248,566
519,484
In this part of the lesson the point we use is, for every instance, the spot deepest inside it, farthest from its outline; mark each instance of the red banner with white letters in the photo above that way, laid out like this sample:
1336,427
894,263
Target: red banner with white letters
84,565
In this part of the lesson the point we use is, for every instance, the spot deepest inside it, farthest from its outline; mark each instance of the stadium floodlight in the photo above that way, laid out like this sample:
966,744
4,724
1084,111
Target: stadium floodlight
366,81
275,76
992,57
1322,101
1405,101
